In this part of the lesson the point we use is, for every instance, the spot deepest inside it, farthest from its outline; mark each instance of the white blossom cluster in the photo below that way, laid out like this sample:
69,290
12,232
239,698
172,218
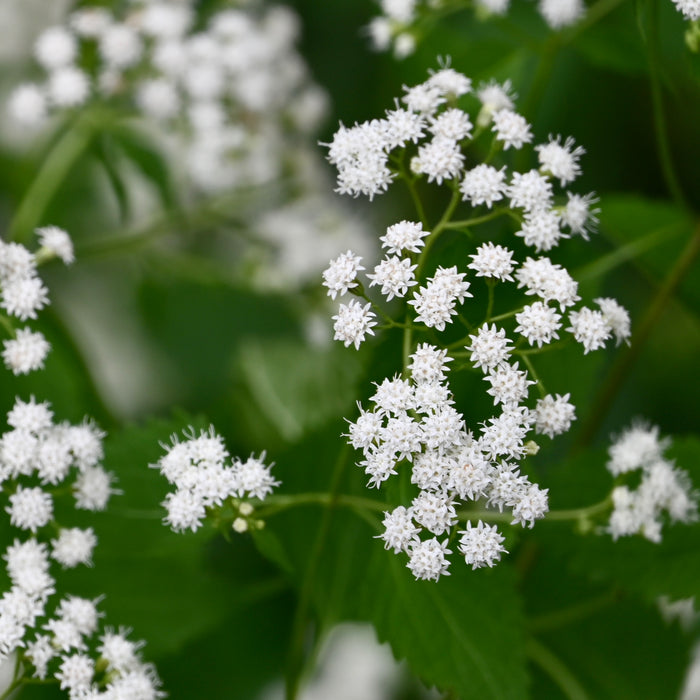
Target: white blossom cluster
236,91
205,477
398,27
23,295
361,155
663,489
414,425
37,459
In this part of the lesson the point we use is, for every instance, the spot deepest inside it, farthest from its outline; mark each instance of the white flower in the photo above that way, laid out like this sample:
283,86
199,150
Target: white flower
452,124
560,161
29,415
481,545
120,653
449,82
548,281
55,48
400,533
158,98
423,99
185,510
637,447
74,546
402,126
532,505
364,432
578,214
352,322
394,396
58,242
511,128
617,318
509,386
428,560
493,261
689,8
428,364
395,275
561,13
435,303
495,7
483,184
39,653
26,352
434,512
68,87
92,489
27,105
530,191
30,508
340,275
489,347
538,323
23,297
75,673
553,415
404,236
541,230
439,159
120,46
253,477
590,328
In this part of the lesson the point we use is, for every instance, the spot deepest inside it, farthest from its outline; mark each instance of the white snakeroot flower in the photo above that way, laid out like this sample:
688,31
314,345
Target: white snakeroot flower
80,612
120,653
489,348
364,432
432,396
90,22
449,82
400,532
504,435
26,105
484,184
158,98
452,124
435,303
93,488
40,652
442,428
16,263
26,352
541,230
637,447
120,46
428,559
58,242
554,415
85,442
394,397
74,546
509,385
590,328
341,274
530,191
395,275
29,415
561,13
76,673
405,236
402,126
30,508
439,159
379,465
352,322
481,545
399,10
68,87
511,128
23,297
434,511
55,48
538,323
560,160
532,505
254,477
494,97
423,99
617,318
494,261
548,281
185,510
429,364
579,215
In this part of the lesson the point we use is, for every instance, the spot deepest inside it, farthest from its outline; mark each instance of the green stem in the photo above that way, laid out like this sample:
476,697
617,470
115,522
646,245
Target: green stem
279,503
475,221
574,514
528,363
625,360
60,159
555,669
6,323
572,614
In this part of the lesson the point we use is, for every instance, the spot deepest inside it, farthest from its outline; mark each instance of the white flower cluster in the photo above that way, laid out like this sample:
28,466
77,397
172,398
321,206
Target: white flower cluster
397,27
414,425
361,154
231,90
662,487
23,294
36,456
204,479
